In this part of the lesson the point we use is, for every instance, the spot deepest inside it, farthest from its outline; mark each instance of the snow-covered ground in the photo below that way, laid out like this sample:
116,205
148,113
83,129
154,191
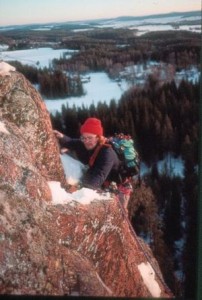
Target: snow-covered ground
100,88
154,24
37,57
3,47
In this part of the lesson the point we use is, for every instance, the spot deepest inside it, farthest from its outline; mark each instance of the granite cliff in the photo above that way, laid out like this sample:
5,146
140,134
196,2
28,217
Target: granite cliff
64,249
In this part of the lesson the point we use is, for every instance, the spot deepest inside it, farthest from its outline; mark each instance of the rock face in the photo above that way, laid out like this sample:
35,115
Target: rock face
22,105
70,249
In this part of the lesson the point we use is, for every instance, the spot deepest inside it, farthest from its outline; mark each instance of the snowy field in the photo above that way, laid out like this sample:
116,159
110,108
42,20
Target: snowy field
36,57
153,24
100,88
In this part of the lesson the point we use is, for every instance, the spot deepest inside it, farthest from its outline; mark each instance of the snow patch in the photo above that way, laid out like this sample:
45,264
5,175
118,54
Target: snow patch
170,166
37,57
5,69
83,196
59,195
3,128
73,169
148,275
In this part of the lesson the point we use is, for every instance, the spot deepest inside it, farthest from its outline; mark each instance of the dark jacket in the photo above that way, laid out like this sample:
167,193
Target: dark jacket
105,167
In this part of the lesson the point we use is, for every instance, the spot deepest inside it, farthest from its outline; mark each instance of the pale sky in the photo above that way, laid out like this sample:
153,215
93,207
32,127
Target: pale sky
14,12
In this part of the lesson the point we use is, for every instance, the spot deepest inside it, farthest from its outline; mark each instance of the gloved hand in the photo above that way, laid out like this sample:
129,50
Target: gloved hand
74,188
63,150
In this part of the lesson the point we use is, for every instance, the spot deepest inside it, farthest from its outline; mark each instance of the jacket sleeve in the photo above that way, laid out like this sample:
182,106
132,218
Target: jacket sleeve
97,174
70,143
65,141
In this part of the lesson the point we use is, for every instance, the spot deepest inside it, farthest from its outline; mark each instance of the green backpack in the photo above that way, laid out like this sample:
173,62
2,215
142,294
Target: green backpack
124,146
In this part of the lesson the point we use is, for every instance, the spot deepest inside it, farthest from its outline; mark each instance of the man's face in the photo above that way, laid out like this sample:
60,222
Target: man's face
90,140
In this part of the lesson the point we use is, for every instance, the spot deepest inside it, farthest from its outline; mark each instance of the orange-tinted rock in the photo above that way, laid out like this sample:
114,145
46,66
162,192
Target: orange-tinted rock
22,105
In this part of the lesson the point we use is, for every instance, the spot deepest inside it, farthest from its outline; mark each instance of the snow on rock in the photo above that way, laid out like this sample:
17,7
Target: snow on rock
5,69
59,195
3,128
73,169
83,196
148,274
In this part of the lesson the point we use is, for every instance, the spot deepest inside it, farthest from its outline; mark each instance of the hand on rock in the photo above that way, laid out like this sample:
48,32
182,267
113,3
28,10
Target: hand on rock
63,150
72,188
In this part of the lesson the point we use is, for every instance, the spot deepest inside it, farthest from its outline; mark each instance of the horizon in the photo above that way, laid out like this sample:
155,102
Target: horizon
97,19
31,12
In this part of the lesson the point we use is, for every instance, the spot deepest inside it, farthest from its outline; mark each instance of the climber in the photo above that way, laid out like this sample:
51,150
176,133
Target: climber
102,160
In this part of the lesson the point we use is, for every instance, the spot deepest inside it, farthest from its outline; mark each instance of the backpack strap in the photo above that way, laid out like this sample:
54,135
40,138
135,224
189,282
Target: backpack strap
95,153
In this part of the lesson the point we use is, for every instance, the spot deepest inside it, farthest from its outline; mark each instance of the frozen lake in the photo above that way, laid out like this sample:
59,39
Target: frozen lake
36,57
98,86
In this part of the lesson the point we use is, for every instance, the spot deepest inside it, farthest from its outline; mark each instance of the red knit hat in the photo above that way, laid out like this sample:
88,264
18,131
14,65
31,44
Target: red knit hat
92,125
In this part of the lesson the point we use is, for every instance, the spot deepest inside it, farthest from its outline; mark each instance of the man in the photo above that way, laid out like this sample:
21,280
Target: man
91,150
